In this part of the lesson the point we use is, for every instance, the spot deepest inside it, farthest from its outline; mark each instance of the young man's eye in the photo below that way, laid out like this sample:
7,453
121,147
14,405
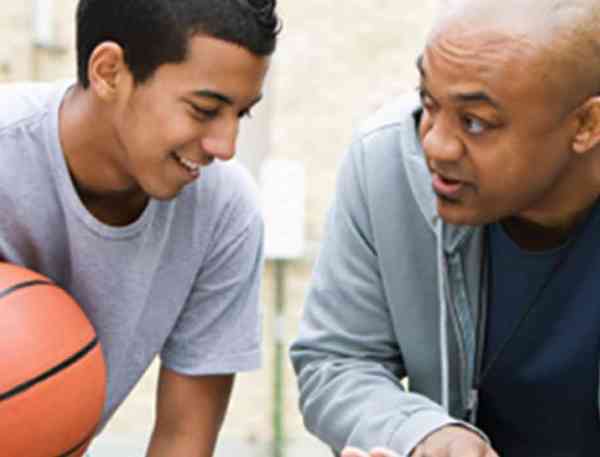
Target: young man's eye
245,113
204,113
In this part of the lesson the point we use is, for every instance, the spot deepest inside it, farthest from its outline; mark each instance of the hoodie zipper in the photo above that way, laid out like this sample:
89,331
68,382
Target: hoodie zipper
473,397
448,313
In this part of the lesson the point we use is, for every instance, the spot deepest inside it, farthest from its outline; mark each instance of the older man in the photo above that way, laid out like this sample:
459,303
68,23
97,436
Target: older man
461,252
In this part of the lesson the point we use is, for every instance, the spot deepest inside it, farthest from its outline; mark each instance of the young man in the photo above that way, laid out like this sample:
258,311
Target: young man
462,252
110,187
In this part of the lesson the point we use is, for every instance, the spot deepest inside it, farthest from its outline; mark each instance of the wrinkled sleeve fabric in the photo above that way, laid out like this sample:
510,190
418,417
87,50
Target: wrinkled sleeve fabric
219,330
346,357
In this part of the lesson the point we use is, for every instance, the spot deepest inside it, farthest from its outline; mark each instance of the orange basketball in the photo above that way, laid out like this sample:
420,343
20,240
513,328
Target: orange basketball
52,372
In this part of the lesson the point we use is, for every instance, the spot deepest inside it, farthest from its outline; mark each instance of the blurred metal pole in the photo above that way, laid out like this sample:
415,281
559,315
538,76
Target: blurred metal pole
278,403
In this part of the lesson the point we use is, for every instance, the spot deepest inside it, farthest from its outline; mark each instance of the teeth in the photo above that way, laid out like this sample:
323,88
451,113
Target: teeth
187,163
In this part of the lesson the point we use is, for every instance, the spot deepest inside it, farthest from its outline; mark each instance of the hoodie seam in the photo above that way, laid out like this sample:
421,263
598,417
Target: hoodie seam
378,129
444,357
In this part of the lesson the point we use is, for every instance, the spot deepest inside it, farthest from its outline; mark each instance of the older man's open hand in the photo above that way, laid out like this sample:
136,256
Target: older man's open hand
451,441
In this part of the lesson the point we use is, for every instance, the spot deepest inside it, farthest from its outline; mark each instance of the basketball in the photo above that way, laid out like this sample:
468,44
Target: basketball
52,372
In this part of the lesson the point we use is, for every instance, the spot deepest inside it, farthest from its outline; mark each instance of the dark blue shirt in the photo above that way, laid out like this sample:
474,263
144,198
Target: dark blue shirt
540,398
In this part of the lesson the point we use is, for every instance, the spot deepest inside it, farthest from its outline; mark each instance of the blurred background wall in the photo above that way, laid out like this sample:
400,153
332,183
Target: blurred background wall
337,62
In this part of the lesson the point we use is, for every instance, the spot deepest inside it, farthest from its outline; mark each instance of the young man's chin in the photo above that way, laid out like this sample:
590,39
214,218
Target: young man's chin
165,193
166,196
168,189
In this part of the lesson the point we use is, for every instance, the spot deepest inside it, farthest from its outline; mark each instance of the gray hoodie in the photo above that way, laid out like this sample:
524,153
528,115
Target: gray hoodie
395,295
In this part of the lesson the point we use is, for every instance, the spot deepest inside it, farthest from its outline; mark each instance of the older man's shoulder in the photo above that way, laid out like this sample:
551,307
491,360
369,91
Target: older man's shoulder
392,114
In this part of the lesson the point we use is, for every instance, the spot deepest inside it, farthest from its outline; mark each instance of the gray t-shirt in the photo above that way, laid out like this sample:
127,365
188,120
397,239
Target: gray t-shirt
181,281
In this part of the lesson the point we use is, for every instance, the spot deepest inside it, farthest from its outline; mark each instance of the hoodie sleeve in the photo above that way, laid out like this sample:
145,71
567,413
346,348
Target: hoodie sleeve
346,357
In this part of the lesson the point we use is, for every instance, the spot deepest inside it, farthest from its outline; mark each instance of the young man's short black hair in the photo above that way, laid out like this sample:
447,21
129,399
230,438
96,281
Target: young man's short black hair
155,32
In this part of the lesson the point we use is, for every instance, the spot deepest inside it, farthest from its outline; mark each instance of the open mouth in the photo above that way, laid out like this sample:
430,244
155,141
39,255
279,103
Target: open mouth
190,165
449,181
447,187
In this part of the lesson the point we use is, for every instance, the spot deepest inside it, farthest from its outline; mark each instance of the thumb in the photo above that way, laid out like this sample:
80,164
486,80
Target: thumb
353,452
383,452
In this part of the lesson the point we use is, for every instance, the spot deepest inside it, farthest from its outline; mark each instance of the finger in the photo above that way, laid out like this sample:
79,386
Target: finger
465,452
418,452
469,448
491,453
383,452
353,452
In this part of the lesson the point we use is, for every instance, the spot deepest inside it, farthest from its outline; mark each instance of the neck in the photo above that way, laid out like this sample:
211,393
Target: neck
553,219
540,235
88,145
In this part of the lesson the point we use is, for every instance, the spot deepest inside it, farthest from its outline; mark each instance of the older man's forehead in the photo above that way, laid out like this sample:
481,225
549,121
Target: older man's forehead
539,20
520,46
531,11
465,73
481,51
514,32
463,40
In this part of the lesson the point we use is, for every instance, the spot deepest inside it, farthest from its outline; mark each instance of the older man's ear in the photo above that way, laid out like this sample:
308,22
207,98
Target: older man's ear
588,133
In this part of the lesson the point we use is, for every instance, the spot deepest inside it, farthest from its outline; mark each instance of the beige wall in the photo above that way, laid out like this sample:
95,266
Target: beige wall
20,58
337,61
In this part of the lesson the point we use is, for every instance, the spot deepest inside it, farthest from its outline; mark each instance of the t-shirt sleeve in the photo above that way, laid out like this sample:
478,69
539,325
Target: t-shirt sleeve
219,330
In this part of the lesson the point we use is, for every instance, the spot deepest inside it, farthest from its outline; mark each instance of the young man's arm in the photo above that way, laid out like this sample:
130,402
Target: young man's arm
189,414
218,332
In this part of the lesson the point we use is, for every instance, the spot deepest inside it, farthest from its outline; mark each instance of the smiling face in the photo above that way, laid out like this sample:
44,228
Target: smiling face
182,118
496,134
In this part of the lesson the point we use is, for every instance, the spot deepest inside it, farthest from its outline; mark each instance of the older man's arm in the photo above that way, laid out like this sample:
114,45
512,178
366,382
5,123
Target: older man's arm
347,358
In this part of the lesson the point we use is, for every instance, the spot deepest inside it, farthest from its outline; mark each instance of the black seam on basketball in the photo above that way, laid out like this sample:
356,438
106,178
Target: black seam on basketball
21,285
51,372
78,445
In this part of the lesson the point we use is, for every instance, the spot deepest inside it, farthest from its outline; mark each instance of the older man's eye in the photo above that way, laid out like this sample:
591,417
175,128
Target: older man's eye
474,126
426,102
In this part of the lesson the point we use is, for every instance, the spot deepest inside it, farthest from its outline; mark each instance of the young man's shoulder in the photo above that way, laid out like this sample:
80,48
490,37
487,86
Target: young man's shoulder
24,102
229,183
226,194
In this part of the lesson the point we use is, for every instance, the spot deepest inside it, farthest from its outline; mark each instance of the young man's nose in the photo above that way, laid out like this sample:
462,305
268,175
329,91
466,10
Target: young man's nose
222,143
222,149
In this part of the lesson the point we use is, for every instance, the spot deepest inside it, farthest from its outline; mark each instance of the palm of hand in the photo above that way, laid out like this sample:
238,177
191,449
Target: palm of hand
450,441
453,441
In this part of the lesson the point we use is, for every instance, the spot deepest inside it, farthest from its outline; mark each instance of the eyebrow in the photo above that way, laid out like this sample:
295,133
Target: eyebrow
419,64
475,97
468,97
205,93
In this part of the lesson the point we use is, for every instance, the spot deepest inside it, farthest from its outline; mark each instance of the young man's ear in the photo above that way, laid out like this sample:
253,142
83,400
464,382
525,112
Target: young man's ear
106,69
587,136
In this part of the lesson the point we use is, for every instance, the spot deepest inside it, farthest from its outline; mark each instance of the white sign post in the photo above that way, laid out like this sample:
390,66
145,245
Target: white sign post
282,194
43,23
282,186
